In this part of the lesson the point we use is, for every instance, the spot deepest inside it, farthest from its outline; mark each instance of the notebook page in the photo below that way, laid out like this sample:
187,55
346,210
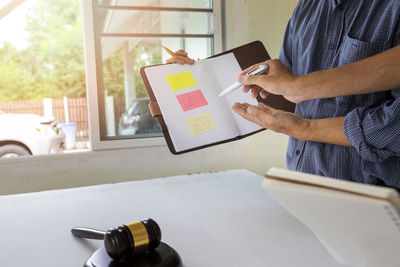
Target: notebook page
228,69
186,95
357,230
335,184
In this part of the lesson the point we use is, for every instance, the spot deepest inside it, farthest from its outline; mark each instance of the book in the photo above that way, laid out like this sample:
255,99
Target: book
185,99
359,224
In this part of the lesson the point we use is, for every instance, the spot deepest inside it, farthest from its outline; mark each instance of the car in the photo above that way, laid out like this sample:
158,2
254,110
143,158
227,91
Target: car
29,134
138,119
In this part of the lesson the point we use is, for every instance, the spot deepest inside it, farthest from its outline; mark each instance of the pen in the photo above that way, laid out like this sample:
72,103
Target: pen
172,54
257,71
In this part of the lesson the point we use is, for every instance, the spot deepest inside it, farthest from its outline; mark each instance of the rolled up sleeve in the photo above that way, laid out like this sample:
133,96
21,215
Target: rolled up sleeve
285,54
375,131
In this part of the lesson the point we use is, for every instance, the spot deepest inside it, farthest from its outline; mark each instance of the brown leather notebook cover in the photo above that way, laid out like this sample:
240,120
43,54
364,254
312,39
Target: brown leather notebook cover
246,56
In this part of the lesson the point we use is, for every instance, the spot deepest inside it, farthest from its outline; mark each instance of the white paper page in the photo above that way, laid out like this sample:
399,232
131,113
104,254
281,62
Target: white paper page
228,69
174,115
349,225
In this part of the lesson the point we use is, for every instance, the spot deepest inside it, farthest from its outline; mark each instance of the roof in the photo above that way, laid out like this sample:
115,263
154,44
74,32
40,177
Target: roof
9,6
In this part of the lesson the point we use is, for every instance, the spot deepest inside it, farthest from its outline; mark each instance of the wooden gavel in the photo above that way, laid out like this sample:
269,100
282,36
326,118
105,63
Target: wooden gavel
126,240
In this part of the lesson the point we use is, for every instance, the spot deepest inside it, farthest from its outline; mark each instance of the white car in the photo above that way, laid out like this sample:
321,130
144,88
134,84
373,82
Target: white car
27,134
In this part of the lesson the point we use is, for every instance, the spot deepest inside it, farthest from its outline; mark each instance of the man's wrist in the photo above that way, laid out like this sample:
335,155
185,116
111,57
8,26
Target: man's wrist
303,129
294,91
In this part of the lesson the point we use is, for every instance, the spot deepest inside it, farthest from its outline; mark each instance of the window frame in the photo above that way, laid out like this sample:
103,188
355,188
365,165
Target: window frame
92,80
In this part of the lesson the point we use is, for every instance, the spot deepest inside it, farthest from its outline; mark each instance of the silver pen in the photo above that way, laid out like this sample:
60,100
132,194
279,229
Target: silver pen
257,71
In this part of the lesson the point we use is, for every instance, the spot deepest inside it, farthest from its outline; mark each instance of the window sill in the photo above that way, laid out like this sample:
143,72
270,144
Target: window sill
103,146
128,143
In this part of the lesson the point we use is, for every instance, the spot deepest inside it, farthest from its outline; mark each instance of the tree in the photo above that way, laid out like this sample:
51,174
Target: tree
144,53
13,75
52,65
56,45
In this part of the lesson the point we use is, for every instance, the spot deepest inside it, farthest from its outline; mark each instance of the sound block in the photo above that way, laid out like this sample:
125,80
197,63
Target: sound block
162,256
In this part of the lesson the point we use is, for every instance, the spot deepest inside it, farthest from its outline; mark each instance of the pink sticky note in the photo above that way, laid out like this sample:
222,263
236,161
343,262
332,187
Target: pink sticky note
192,100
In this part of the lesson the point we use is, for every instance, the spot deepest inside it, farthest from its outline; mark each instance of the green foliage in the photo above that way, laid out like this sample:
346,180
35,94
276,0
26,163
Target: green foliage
113,74
144,54
52,65
56,43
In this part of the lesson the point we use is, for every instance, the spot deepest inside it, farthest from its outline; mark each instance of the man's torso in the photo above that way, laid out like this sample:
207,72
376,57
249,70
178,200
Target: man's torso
327,34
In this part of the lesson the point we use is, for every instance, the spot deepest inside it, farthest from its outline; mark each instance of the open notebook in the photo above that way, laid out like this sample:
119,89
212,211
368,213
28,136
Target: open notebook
358,224
192,115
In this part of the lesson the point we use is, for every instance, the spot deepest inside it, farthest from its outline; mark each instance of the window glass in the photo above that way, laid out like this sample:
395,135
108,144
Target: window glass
153,21
130,38
159,3
42,78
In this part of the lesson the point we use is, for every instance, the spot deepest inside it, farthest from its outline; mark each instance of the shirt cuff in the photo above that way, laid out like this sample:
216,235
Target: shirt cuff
353,129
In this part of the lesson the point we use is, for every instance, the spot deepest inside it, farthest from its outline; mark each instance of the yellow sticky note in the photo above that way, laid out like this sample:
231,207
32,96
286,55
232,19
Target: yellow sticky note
200,124
180,80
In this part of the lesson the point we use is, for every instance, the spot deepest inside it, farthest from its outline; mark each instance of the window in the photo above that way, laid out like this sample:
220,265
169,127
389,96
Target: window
42,78
42,69
122,36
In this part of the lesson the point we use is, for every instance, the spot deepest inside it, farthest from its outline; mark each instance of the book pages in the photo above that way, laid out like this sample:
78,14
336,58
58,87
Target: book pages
187,97
357,229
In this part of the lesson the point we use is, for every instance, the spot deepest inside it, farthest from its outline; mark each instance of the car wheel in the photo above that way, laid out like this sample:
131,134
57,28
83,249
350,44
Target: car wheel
12,150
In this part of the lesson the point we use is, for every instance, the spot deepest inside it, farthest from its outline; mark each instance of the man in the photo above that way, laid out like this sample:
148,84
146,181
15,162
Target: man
346,125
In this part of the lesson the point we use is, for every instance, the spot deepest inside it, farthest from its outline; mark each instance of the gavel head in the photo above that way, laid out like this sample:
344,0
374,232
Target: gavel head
132,239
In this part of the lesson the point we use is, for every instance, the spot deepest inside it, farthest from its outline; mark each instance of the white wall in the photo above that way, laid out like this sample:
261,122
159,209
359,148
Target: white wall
264,20
247,20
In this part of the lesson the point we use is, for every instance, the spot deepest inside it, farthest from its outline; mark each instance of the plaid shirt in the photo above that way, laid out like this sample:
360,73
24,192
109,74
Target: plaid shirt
324,34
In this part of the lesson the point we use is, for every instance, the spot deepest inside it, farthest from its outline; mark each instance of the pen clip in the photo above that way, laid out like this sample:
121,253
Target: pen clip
259,70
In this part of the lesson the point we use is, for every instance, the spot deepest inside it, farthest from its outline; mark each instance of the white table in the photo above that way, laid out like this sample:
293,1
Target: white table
211,219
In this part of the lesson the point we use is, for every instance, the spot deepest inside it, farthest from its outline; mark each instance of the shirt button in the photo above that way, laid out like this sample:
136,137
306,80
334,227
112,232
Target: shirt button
331,46
297,152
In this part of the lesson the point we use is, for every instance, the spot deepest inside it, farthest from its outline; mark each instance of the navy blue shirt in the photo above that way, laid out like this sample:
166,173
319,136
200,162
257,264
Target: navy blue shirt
324,34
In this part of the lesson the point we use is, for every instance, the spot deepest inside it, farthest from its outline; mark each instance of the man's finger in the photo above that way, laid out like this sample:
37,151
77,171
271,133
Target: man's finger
246,89
180,60
256,111
261,116
255,91
189,60
252,80
240,108
245,71
181,52
264,94
246,104
246,111
265,107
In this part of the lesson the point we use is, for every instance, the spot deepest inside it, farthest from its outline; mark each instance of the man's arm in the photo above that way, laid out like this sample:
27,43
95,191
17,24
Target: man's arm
377,73
329,130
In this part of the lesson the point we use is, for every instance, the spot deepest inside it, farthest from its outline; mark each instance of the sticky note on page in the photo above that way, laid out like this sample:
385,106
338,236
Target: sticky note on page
180,81
192,100
200,124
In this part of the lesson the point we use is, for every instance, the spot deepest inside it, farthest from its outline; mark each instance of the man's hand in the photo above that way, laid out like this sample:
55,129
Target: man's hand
327,130
274,119
278,80
374,74
181,57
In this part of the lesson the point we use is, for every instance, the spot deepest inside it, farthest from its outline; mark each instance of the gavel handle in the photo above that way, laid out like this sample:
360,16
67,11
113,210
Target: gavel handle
88,233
